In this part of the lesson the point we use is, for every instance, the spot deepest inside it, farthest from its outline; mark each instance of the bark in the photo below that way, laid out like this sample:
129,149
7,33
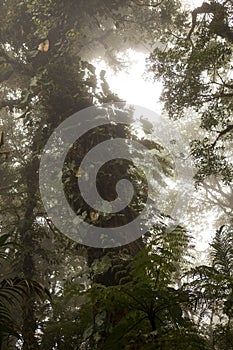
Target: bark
29,321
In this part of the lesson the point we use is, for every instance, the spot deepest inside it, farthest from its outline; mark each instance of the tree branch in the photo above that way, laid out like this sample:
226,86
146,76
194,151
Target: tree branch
5,188
8,103
199,10
209,98
218,25
148,5
222,133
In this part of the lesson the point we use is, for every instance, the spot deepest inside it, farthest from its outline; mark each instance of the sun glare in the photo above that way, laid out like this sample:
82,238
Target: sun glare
132,85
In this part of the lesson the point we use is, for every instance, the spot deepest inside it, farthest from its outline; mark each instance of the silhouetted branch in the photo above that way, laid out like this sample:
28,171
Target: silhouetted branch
222,133
218,24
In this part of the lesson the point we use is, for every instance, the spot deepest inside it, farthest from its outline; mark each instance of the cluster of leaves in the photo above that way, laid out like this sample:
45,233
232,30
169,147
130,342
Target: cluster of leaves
13,292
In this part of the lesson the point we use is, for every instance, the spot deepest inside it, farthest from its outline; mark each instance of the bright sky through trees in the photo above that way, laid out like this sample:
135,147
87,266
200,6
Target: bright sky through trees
135,86
132,85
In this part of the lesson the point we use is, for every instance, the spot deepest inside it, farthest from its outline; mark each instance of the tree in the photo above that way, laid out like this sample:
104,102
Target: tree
195,69
34,90
43,81
212,288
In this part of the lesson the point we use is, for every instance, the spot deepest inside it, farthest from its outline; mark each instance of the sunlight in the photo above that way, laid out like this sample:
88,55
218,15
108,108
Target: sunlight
135,87
131,84
195,3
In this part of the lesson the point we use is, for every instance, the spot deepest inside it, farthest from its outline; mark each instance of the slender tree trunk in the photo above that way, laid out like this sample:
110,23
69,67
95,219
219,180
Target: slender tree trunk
29,322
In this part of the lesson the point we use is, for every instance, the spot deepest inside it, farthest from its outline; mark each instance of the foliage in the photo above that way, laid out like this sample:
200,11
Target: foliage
12,294
144,309
144,295
194,67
